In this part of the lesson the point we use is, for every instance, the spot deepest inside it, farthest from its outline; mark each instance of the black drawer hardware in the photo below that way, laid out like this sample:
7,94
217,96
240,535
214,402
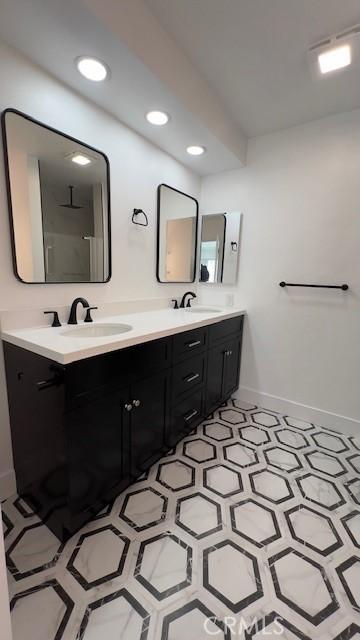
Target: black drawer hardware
228,352
191,415
192,377
190,345
136,403
128,406
56,381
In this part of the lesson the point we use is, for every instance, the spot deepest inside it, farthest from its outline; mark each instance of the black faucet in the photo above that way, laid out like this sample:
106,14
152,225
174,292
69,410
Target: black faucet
72,316
183,299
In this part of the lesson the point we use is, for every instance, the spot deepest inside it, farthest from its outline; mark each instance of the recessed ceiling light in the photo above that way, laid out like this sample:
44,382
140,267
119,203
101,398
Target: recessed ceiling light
159,118
195,150
79,158
92,68
335,59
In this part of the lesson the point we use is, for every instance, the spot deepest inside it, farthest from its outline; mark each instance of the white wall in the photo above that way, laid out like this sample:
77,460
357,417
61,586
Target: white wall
137,167
300,195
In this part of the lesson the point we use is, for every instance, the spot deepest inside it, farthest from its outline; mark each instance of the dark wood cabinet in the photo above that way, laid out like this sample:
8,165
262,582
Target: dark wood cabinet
83,432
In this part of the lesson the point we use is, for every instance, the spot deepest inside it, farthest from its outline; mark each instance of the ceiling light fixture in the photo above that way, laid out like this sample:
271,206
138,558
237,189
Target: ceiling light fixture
92,68
334,59
80,159
158,118
195,150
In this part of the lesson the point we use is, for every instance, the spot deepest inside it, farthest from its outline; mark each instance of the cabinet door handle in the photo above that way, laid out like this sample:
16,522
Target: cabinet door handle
128,406
191,415
192,377
136,403
193,344
228,352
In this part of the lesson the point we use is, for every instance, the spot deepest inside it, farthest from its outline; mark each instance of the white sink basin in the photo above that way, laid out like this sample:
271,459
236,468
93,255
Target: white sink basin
97,330
202,310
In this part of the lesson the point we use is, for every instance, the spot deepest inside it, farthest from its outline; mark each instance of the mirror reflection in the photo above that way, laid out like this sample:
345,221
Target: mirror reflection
219,247
177,235
59,197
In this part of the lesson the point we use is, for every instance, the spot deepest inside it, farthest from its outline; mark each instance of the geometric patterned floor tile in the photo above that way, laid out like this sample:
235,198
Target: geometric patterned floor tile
303,585
164,565
254,522
349,574
224,559
252,513
325,463
222,480
198,515
193,621
118,616
144,508
99,556
351,522
271,486
282,459
265,419
313,529
320,491
41,612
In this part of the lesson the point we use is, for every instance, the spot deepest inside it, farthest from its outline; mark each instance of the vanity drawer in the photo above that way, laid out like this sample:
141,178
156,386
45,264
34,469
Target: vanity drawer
190,342
222,330
185,416
188,374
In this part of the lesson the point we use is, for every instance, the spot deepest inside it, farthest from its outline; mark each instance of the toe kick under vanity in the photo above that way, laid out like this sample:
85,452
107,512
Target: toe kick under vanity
87,423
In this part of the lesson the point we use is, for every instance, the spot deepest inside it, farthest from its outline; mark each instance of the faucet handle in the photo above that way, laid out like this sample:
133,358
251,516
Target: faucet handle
88,317
56,322
176,305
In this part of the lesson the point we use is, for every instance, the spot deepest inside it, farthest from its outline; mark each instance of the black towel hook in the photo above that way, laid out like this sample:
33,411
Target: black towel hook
136,213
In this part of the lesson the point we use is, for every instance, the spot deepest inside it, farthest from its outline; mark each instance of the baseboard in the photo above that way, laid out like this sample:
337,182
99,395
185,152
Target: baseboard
348,426
7,484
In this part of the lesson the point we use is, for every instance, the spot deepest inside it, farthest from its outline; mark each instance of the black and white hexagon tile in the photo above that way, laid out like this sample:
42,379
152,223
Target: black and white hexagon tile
248,527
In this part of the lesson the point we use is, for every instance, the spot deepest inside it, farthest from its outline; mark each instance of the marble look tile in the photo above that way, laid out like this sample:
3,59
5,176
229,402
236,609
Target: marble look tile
217,431
224,563
298,424
118,616
199,450
271,486
254,522
265,419
241,455
164,565
232,416
351,523
198,515
313,529
325,463
329,441
222,480
274,626
144,508
303,585
349,574
282,459
353,487
193,621
354,462
320,491
176,475
254,435
291,438
35,549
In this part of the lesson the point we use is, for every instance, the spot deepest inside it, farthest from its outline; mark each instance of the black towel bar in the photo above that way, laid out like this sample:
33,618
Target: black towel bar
344,287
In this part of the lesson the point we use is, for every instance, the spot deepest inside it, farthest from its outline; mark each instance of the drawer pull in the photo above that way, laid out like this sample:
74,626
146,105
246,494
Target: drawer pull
136,403
193,344
228,352
128,406
192,377
191,415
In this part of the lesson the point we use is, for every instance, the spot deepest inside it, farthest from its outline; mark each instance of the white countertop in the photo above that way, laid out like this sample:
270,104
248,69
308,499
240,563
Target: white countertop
148,325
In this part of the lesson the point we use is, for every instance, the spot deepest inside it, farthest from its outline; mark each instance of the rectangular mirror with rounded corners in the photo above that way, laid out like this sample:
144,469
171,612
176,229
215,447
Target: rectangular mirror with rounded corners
59,203
176,235
220,247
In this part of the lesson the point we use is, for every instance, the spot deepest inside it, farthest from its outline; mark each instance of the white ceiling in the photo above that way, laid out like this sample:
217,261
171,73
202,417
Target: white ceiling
253,55
223,69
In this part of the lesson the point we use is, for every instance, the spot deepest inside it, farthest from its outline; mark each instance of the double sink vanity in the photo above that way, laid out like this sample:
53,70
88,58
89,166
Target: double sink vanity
93,406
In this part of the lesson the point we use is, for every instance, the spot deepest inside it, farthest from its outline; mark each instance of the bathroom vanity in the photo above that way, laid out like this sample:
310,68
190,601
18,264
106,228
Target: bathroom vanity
88,423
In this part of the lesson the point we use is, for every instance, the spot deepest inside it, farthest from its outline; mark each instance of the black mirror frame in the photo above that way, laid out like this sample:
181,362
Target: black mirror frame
158,235
9,199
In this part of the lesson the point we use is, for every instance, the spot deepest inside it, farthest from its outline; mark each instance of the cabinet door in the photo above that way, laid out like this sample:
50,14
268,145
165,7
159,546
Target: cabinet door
232,367
215,374
148,421
95,449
